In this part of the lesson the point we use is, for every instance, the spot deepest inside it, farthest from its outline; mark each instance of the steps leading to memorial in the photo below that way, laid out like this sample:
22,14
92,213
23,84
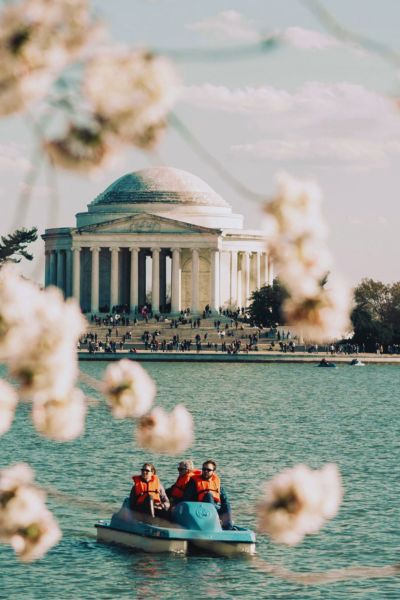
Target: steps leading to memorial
185,331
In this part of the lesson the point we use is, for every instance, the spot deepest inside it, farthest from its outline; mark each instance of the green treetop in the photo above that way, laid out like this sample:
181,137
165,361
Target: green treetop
14,247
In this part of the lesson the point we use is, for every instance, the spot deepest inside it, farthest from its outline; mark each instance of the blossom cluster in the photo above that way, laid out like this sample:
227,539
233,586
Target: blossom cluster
296,238
166,433
38,338
130,392
25,522
124,95
298,501
38,38
128,94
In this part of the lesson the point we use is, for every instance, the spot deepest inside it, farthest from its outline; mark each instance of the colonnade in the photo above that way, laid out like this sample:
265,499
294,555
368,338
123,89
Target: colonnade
247,271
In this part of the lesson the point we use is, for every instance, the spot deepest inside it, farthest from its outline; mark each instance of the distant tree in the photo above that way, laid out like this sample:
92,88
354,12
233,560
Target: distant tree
376,315
14,247
266,304
373,296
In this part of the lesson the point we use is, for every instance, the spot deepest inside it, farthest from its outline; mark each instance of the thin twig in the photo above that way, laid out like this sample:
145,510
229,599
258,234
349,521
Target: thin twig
350,37
333,576
203,153
26,190
65,498
225,54
90,381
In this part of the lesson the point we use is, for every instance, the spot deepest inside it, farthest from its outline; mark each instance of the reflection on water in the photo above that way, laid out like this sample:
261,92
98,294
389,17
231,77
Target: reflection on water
254,420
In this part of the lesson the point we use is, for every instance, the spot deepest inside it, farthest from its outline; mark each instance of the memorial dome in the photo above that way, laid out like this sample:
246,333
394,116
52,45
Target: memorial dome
159,185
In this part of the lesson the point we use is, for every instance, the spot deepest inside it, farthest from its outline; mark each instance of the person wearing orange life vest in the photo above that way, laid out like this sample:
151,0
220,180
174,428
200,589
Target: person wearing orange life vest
186,472
147,493
206,487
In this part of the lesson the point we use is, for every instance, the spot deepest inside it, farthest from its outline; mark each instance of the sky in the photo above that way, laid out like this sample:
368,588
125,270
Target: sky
315,106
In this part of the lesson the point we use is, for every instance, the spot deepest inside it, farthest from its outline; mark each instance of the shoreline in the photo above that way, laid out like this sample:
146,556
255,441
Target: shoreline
251,357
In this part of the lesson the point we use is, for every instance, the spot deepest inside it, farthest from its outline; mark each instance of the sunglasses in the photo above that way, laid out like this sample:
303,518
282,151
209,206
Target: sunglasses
209,470
146,470
182,469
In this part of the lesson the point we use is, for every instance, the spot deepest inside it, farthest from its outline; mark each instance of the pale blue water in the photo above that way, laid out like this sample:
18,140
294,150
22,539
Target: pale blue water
254,420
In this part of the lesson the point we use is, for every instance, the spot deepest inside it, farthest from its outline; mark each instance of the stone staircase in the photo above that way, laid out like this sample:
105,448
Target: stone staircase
211,340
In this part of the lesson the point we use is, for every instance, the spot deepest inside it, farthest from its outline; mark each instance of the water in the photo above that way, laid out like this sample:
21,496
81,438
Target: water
254,420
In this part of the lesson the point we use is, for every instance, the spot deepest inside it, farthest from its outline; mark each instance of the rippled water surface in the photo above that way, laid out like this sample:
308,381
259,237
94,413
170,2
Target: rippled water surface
254,420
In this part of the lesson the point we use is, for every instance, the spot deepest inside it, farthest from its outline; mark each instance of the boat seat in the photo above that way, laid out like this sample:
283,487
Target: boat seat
200,516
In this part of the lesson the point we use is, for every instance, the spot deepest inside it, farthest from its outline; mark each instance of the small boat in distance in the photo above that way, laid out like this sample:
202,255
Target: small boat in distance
357,363
194,525
326,363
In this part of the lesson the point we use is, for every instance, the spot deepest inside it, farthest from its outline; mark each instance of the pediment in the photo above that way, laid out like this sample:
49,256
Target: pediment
145,223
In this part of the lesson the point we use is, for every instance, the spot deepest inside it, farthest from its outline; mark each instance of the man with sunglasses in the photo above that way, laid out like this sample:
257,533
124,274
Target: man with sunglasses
206,487
147,494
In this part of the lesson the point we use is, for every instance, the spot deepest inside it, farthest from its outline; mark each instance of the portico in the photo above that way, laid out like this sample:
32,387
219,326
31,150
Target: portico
166,241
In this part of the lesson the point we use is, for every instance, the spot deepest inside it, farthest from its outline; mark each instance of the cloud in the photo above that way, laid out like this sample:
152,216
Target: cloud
346,150
319,122
314,100
307,39
228,24
232,25
247,100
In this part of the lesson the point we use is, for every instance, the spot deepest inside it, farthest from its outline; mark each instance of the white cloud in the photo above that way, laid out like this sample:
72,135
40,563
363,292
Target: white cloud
315,100
228,24
232,25
322,149
307,39
319,122
247,100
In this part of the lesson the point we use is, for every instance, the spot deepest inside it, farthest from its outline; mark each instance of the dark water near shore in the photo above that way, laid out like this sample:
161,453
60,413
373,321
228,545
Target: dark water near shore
254,420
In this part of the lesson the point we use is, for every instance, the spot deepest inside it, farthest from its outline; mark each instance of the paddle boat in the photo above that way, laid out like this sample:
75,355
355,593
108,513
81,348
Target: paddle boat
326,363
357,363
194,526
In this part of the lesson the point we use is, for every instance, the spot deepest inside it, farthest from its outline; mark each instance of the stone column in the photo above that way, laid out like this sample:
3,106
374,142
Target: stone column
258,270
195,308
59,263
76,275
95,280
265,271
134,301
47,269
240,280
176,281
52,269
270,270
234,279
68,273
246,257
114,295
155,280
163,280
215,273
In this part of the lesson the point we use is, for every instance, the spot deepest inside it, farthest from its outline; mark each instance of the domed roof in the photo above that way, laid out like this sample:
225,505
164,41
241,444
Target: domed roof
159,185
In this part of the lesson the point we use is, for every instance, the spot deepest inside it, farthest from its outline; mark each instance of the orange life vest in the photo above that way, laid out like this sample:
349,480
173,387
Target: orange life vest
180,484
144,489
203,486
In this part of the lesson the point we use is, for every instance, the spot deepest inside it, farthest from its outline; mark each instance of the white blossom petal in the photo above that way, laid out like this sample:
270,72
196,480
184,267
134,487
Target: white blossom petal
8,402
298,501
129,389
25,522
61,419
131,93
166,433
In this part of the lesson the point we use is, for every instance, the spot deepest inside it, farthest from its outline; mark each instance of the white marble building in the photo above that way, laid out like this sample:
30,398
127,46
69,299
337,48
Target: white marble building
160,235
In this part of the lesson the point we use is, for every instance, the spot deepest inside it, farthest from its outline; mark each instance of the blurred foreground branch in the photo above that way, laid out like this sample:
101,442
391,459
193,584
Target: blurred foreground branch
333,576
